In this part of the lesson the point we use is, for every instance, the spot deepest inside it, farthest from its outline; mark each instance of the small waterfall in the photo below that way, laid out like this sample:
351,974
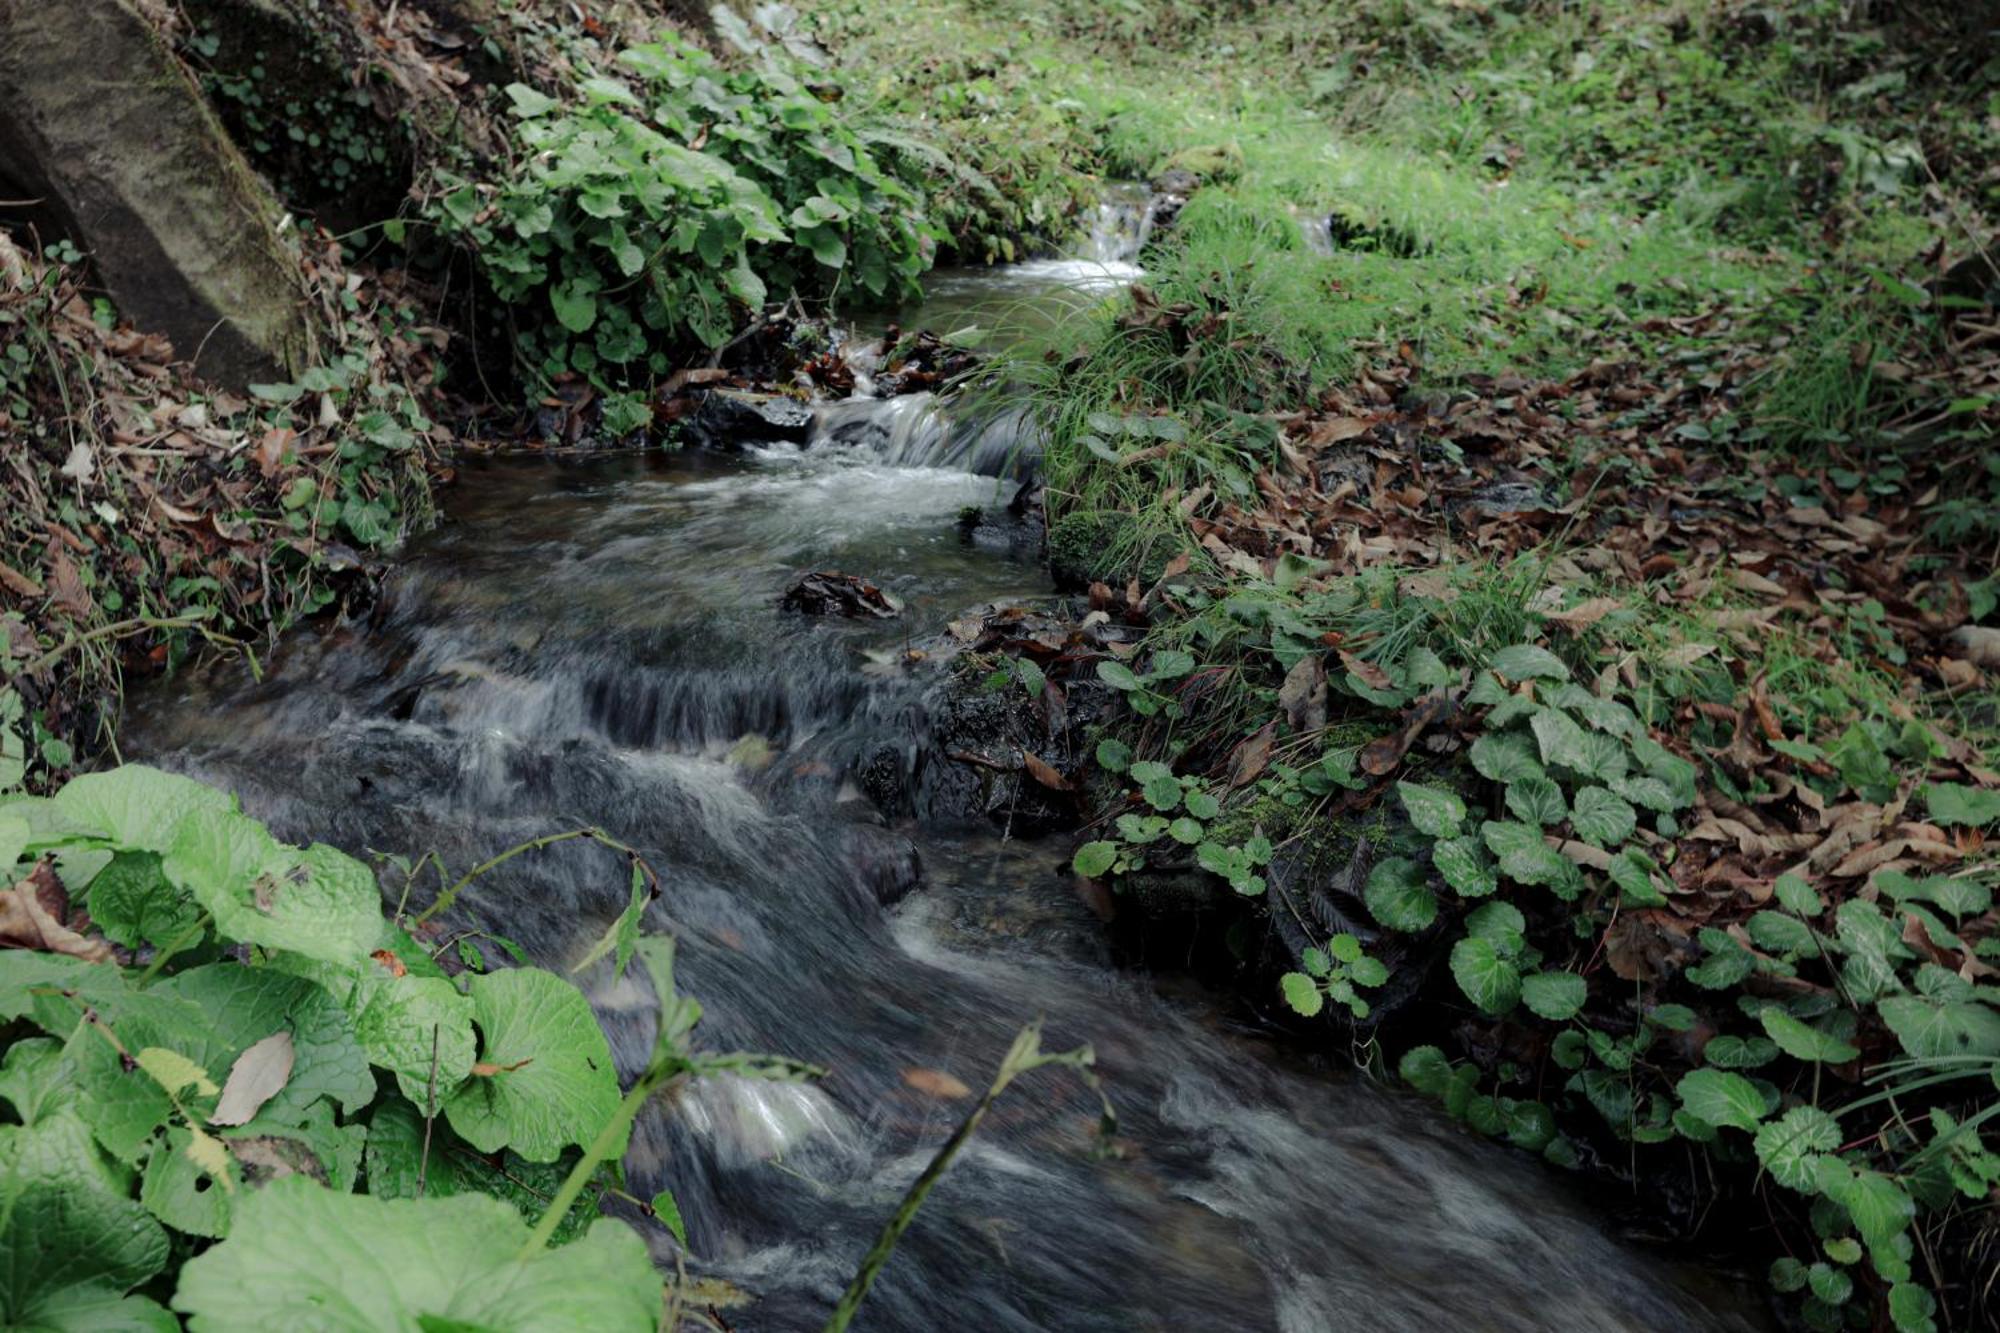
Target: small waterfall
922,430
1122,226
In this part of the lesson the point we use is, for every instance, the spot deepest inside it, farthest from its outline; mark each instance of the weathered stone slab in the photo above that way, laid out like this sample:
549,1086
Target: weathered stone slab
102,125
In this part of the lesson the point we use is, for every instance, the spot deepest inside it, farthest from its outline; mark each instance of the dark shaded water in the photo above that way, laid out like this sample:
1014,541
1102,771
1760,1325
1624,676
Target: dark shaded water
598,642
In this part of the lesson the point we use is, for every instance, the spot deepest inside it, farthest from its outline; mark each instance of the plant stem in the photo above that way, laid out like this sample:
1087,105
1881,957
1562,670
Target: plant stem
110,631
450,895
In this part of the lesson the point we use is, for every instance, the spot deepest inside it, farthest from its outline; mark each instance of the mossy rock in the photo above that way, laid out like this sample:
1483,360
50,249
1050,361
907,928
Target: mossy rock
1106,546
1211,163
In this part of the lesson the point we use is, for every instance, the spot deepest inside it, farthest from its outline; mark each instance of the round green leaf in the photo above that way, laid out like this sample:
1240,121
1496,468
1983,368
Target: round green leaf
1398,897
1488,980
1302,993
1093,859
1555,995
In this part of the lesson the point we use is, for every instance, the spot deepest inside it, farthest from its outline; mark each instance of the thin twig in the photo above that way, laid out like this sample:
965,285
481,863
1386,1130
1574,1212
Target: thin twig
430,1114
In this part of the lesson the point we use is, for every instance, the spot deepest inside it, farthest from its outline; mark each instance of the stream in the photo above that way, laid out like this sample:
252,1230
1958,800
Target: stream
598,641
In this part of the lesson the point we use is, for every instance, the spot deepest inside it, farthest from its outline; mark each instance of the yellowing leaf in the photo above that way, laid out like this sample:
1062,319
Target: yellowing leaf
174,1071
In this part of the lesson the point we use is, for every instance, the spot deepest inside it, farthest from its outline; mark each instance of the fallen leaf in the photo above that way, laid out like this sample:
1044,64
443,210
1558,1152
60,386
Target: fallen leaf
1252,756
258,1075
1044,772
30,915
937,1083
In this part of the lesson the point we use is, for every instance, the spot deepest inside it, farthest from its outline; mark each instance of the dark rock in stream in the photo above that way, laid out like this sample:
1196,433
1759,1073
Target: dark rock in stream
829,592
727,419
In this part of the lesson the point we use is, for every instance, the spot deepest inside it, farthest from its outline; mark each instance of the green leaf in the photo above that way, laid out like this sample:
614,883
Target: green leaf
1464,865
1425,1068
1500,924
575,303
529,103
435,1263
1163,792
1398,896
133,903
135,807
1730,1052
1433,811
1931,1028
1777,933
1302,993
405,1023
1523,854
1536,800
70,1248
668,1211
1487,979
1805,1043
1912,1307
1829,1284
1632,872
1562,742
1113,756
554,1083
1951,803
318,902
1673,1017
825,243
1721,1098
1527,661
1094,859
1117,675
1797,897
1504,758
245,1005
1554,995
1602,818
1202,805
396,1157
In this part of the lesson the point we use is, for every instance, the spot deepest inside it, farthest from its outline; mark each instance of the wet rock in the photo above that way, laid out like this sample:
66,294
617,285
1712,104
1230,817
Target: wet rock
727,419
831,593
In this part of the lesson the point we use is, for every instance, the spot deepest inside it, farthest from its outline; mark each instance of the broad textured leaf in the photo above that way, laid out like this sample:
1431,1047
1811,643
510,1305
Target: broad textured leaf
1527,661
395,1159
1488,980
1805,1043
1930,1028
1500,924
1562,742
136,807
1398,896
1536,800
247,1005
1775,932
1094,858
404,1264
1721,1098
1505,758
1951,803
1523,854
1731,1052
1602,817
1554,995
1433,811
71,1248
318,902
1632,872
396,1027
132,901
556,1085
1465,866
1789,1147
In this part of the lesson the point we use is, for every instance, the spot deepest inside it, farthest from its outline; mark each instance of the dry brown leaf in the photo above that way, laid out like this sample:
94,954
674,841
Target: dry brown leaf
258,1075
1043,772
1248,761
1585,614
29,919
937,1083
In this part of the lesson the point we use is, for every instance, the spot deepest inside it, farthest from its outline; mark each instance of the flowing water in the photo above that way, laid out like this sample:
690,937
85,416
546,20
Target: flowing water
598,642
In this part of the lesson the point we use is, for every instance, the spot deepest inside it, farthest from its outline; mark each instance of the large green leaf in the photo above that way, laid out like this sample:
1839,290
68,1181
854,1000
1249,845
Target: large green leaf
301,1256
420,1029
245,1005
70,1248
1952,803
1805,1043
1562,741
1536,800
1398,896
1465,866
1527,661
1602,817
1720,1098
1434,811
319,902
1930,1027
553,1082
133,902
138,808
1790,1147
1554,995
